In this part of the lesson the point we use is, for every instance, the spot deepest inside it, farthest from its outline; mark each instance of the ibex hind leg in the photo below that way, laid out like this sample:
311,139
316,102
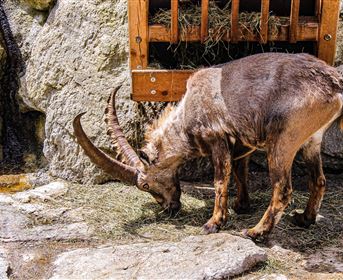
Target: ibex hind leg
240,172
316,181
281,153
280,160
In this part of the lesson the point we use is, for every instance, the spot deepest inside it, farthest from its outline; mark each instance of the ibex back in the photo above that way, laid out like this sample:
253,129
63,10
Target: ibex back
278,103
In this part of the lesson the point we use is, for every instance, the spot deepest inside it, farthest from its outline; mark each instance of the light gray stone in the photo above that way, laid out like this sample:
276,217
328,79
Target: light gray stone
41,4
274,276
216,256
24,233
79,56
4,265
43,193
6,199
25,24
26,217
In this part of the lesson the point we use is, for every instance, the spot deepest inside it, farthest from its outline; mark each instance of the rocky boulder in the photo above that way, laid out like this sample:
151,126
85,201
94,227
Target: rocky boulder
41,5
4,266
215,256
75,55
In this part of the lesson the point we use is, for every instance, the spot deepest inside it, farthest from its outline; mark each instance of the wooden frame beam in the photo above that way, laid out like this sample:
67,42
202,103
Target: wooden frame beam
307,30
174,25
159,85
328,28
204,20
264,21
235,31
138,33
294,19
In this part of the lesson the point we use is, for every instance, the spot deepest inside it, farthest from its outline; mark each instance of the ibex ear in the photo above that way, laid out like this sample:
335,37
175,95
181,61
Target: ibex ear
144,157
148,154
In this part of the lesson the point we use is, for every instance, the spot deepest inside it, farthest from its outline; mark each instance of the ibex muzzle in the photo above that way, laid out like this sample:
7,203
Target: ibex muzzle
278,103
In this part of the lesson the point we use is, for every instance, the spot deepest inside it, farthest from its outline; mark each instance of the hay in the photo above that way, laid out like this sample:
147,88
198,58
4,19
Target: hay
219,24
123,213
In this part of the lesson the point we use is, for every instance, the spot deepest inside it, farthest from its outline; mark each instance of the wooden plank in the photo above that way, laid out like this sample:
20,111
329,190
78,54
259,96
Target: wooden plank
174,26
264,21
138,33
159,85
307,31
328,29
294,19
204,20
235,31
318,8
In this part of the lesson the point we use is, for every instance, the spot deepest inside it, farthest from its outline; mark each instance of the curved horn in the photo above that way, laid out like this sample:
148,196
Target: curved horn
117,135
113,167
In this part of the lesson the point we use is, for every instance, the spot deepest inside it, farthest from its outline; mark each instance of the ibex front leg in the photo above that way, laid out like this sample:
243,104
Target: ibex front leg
222,168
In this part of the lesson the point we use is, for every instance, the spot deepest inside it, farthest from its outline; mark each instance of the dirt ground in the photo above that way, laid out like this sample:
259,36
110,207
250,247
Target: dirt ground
121,215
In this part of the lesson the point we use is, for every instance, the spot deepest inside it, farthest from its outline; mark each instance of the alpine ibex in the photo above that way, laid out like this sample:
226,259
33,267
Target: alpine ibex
278,103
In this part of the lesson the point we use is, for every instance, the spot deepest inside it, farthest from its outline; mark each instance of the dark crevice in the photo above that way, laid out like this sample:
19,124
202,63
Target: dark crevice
18,130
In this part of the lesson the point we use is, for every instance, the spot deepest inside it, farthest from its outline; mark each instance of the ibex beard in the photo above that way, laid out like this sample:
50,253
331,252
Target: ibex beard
277,103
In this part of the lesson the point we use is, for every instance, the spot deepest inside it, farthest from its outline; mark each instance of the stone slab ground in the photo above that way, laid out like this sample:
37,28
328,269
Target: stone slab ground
69,231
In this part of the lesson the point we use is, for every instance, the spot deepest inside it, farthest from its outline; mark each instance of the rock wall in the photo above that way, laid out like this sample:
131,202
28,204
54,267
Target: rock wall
76,52
2,63
21,127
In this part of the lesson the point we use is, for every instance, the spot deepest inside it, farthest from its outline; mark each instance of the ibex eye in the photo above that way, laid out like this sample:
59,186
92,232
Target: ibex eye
146,187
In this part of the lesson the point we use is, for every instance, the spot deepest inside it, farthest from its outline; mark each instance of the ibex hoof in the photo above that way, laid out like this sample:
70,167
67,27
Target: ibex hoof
256,236
299,219
210,228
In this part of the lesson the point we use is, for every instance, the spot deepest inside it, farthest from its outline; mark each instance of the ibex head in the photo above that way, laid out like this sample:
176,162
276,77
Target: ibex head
146,172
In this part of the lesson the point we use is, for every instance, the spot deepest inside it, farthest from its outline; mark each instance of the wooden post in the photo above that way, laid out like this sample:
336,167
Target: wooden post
294,20
264,21
138,33
204,20
318,8
235,31
327,30
174,26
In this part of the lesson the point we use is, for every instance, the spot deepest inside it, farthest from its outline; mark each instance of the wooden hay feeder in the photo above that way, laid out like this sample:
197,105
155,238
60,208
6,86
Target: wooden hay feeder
313,21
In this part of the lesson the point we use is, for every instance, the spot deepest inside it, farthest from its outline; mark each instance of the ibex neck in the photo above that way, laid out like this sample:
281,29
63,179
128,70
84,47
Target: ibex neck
170,138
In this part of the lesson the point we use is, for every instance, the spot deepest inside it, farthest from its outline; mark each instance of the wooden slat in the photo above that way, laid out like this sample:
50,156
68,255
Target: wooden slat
235,21
174,27
138,33
204,20
159,85
318,8
307,31
294,19
264,21
328,29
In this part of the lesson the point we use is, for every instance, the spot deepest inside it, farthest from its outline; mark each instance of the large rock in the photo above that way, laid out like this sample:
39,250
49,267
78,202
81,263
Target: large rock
25,217
2,64
41,5
216,256
4,266
25,24
79,56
